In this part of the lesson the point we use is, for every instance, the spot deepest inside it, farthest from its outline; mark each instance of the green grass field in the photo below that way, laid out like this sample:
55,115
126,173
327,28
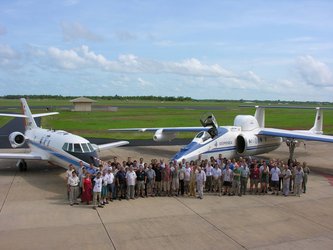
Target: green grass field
96,123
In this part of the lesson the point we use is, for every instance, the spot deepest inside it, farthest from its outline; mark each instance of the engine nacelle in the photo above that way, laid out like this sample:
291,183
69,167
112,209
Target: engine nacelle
243,141
246,122
160,135
16,139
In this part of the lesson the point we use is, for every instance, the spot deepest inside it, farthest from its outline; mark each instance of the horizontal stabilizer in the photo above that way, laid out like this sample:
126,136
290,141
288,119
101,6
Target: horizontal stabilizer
25,116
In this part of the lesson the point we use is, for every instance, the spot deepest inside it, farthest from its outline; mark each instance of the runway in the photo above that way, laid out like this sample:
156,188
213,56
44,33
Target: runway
35,214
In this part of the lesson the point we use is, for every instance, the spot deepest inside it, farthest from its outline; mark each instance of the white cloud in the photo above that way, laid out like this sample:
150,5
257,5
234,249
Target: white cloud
76,31
143,84
314,72
8,56
66,59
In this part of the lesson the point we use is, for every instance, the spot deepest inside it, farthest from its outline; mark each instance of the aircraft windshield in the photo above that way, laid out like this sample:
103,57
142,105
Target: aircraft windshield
78,147
203,135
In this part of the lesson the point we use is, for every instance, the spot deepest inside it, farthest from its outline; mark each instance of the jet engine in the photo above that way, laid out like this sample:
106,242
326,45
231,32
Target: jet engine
16,139
242,142
160,135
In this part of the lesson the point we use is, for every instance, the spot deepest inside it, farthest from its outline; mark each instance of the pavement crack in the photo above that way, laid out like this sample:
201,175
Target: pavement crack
210,223
10,186
107,232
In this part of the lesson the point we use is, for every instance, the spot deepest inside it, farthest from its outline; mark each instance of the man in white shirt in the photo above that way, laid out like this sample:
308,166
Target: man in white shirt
275,175
110,183
73,183
97,190
130,179
201,179
69,174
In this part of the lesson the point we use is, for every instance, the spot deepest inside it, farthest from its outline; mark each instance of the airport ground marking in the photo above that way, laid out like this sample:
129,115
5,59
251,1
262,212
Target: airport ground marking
10,186
107,232
213,225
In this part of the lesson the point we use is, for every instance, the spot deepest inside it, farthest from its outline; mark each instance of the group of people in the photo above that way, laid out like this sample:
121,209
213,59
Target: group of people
113,180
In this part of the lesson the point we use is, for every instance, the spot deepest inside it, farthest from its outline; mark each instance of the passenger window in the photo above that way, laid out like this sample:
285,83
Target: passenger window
77,148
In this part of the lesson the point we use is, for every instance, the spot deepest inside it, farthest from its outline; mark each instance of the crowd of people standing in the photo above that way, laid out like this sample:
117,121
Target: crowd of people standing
129,179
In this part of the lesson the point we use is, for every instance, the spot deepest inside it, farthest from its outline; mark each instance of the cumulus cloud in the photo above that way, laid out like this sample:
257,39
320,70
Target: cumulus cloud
314,72
75,31
81,57
8,56
67,59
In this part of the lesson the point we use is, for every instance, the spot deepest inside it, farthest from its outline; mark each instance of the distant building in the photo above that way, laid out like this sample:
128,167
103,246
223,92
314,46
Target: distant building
82,104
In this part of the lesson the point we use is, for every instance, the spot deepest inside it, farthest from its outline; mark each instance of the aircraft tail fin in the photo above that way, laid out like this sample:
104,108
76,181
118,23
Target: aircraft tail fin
29,117
318,123
29,120
260,116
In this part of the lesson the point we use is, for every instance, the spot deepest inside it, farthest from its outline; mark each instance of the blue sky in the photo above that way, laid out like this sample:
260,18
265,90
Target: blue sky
278,50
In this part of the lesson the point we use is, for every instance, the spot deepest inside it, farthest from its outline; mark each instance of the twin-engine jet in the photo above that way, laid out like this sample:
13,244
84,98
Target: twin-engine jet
248,136
55,146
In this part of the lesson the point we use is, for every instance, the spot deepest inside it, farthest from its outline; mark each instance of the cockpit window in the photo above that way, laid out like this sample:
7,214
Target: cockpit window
70,147
90,147
200,134
203,135
85,147
77,148
65,147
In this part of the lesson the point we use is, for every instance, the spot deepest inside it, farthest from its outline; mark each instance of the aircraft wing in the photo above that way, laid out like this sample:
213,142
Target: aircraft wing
167,129
24,156
301,135
111,145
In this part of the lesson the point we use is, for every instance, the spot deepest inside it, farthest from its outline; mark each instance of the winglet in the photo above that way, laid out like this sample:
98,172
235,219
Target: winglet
318,123
260,116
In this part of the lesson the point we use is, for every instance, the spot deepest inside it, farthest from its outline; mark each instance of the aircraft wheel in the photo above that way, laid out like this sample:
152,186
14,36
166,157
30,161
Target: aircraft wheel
25,167
22,165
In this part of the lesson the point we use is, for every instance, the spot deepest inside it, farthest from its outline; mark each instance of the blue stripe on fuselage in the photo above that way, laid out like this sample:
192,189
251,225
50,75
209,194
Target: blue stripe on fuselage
59,155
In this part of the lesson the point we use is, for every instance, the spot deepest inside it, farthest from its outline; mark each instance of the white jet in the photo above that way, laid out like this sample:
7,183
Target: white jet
248,136
55,146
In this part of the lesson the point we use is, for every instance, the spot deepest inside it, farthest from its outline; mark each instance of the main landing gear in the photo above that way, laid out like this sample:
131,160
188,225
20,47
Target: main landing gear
291,143
22,165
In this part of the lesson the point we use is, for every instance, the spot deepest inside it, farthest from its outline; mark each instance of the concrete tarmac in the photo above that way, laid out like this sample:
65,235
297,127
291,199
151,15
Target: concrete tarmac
35,214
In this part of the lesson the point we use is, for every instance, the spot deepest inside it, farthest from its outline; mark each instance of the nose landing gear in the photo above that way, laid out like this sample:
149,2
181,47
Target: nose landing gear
22,165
